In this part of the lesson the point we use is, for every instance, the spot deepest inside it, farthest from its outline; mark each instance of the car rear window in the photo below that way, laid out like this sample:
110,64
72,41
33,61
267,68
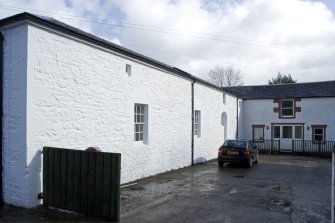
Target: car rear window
235,144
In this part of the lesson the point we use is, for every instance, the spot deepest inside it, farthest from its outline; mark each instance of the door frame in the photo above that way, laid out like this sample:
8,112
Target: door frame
285,124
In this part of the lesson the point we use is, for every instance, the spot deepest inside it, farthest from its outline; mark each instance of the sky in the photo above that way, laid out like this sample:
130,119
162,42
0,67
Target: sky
258,37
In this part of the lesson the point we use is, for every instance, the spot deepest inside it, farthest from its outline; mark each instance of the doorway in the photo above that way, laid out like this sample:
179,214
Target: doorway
285,133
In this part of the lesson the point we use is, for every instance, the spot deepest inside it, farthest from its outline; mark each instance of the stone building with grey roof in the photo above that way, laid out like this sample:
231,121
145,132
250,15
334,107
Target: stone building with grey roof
288,117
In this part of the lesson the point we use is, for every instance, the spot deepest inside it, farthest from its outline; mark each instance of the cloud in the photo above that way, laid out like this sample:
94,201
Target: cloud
260,37
77,13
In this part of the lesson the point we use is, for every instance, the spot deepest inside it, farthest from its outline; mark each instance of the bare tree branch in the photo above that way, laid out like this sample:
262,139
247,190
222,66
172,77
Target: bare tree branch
225,76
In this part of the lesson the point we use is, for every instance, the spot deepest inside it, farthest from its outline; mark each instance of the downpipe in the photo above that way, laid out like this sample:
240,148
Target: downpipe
192,139
1,123
237,103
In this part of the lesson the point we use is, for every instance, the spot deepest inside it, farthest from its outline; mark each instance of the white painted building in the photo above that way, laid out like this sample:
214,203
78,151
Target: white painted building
301,112
66,88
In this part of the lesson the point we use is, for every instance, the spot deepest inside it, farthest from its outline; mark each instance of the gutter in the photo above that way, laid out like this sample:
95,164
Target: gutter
192,142
1,107
77,33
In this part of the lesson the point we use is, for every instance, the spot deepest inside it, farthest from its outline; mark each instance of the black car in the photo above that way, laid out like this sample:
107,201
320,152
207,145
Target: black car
238,151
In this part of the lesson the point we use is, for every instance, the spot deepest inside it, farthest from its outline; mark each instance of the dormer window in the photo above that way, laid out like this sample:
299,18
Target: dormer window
287,108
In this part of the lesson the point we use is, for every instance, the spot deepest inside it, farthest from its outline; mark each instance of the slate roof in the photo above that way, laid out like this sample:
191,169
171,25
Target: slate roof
297,90
301,90
63,27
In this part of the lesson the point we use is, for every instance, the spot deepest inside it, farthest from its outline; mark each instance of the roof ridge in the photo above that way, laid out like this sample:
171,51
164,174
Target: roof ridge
64,27
283,84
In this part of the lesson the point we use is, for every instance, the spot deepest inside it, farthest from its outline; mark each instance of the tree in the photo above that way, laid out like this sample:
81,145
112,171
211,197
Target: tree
282,79
225,76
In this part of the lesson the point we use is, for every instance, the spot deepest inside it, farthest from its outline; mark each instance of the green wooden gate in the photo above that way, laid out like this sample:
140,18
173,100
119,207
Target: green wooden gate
84,182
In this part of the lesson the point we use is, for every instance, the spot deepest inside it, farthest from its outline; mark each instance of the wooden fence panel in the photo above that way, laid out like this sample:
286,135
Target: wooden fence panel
84,182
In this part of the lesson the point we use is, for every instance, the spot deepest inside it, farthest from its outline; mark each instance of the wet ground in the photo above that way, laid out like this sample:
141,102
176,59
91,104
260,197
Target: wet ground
280,188
40,214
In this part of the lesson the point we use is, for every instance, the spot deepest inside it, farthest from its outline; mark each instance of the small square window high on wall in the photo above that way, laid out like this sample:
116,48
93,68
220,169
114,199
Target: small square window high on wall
128,69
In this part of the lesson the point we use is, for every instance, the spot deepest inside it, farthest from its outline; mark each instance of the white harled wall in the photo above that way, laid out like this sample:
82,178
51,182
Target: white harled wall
314,111
210,103
81,96
14,115
63,92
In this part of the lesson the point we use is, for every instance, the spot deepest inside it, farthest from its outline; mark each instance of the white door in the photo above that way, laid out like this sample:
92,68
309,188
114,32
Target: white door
286,138
287,133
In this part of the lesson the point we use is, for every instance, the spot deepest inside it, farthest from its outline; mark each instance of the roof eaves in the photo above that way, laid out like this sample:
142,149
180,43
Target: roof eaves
55,24
208,84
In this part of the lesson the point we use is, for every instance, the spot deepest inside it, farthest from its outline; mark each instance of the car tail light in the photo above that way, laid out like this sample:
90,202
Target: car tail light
220,151
246,152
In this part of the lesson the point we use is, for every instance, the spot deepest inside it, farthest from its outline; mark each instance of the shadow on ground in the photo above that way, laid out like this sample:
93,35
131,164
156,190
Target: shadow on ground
40,214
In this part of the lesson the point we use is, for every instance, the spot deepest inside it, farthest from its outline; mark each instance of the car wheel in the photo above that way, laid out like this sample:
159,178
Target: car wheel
250,162
220,164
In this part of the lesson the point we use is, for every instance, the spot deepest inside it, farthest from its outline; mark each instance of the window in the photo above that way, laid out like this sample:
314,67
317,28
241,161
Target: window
197,122
128,69
298,132
276,132
234,144
258,133
287,132
287,108
319,133
224,98
140,122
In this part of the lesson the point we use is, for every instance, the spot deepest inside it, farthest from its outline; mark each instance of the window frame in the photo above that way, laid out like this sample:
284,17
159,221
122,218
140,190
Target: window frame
274,131
301,132
287,108
141,123
315,127
253,133
287,134
197,123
